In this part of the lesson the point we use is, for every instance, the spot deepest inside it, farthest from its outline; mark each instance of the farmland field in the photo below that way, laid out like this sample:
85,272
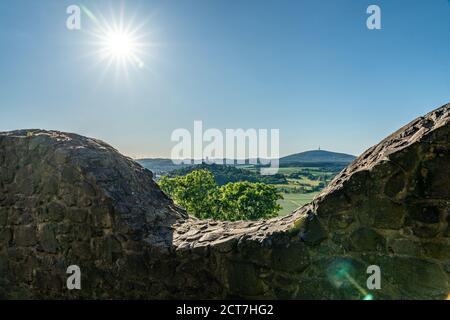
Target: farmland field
303,184
293,201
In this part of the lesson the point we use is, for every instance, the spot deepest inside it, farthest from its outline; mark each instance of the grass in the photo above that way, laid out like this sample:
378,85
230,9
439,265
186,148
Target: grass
309,186
293,201
289,170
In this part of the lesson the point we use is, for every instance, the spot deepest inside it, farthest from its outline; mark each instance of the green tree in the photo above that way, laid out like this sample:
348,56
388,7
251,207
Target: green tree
248,201
192,191
199,194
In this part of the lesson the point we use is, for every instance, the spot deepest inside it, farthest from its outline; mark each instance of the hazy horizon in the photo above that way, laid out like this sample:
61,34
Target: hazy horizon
281,156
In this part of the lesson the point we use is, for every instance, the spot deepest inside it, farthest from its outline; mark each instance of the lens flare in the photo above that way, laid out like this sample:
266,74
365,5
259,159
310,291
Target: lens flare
341,274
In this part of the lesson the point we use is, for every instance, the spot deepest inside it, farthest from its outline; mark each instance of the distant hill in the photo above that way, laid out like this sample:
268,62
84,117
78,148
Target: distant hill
314,158
318,156
160,166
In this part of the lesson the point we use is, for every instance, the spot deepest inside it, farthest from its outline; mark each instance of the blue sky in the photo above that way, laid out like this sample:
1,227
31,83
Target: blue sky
310,68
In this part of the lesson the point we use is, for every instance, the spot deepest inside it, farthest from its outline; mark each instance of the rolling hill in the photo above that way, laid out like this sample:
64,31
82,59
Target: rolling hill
312,158
318,156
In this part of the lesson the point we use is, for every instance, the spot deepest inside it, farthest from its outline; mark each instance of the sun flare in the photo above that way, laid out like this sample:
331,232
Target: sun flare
120,46
118,42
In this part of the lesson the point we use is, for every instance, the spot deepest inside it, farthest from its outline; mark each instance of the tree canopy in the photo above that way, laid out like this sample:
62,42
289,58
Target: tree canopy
200,195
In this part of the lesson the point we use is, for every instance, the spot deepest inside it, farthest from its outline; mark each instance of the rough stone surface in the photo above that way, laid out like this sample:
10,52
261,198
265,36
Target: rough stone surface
67,199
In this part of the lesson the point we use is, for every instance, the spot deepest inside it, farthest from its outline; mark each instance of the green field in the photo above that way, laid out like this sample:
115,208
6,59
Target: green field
293,201
304,183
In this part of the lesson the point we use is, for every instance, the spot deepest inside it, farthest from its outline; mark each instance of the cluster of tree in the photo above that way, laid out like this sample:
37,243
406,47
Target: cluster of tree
299,174
302,188
319,187
313,174
328,166
323,177
224,174
201,196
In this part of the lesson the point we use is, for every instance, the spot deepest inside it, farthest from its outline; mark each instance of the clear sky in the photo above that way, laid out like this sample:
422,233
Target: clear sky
310,68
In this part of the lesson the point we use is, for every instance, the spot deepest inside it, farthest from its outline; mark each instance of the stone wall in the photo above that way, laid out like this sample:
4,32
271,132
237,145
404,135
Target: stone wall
66,199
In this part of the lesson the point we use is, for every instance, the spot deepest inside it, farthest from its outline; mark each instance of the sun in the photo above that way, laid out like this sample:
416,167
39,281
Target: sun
118,42
121,47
